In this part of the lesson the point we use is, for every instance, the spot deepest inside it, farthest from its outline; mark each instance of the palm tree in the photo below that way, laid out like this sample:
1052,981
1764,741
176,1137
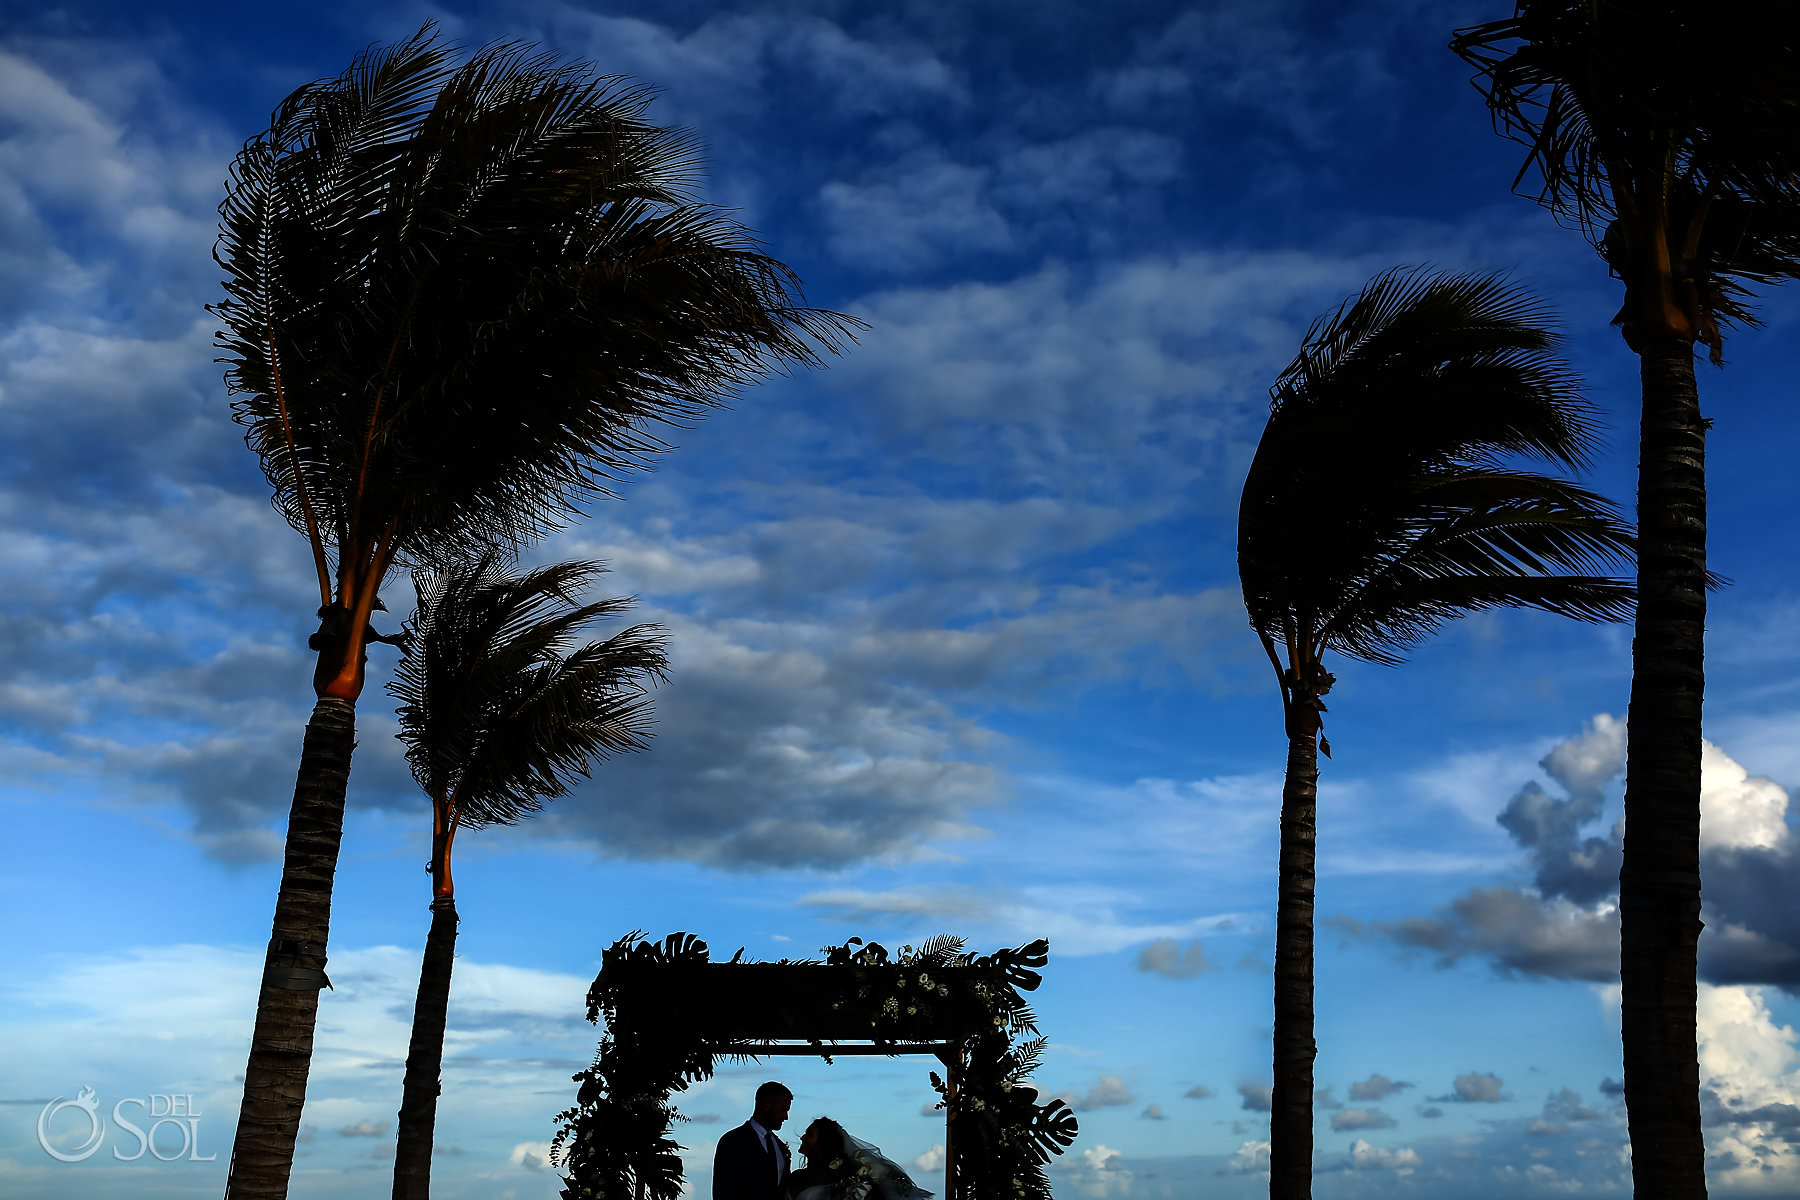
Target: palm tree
1666,132
457,299
1379,506
499,714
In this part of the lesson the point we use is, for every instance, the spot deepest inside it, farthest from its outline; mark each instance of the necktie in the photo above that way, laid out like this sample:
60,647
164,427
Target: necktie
774,1158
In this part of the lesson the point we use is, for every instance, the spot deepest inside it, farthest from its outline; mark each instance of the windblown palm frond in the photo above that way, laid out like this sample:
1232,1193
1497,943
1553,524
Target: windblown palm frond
460,300
499,709
1663,130
1378,507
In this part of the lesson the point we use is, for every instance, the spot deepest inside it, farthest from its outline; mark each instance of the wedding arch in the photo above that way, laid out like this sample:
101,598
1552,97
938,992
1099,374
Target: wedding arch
669,1011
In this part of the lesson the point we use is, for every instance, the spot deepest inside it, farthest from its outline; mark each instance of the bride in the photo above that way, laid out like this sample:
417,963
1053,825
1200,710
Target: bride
842,1167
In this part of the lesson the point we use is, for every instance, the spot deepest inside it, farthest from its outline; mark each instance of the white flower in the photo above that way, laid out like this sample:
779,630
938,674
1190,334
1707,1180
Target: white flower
911,1011
924,979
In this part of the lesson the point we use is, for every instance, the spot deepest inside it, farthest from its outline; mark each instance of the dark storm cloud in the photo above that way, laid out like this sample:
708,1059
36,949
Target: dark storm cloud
1566,926
1518,932
774,758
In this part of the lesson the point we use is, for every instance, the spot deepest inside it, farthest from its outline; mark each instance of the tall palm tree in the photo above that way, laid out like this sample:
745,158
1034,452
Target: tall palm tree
500,711
458,297
1665,131
1379,505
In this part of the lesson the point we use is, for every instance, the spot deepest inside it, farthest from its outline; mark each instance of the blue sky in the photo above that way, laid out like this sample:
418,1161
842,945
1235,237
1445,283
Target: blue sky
957,646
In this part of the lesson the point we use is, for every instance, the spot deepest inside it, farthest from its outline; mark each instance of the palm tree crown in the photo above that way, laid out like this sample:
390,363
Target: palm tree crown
1667,132
460,296
1380,504
499,709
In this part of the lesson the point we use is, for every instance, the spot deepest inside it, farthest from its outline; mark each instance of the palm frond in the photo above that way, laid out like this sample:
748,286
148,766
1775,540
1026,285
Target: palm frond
461,298
498,707
1651,118
1381,502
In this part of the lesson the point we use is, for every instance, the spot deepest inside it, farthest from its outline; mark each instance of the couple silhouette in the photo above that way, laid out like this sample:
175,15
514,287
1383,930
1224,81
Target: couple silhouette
751,1163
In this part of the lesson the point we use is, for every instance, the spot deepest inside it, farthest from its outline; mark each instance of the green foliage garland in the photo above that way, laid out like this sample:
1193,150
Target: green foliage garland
615,1143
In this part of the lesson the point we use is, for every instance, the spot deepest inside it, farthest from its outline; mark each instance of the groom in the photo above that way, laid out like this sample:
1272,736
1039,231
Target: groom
751,1163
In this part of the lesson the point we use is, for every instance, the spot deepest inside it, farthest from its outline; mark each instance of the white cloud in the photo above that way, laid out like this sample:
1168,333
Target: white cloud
176,1019
1736,808
1078,921
1250,1158
1751,1065
1098,1172
932,1159
1402,1160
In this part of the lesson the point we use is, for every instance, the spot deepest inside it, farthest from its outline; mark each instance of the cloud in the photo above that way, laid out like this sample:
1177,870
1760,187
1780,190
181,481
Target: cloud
1255,1095
915,212
1259,71
1567,865
1376,1087
1109,1091
1402,1160
533,1156
1250,1158
365,1129
1153,1112
1098,1172
1749,1090
912,219
1564,1107
931,1160
1566,926
1198,1092
1430,1112
1612,1087
1361,1118
1477,1087
1077,921
1165,956
1518,932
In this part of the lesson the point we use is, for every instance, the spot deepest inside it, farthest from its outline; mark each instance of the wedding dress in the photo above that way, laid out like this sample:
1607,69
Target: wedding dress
869,1174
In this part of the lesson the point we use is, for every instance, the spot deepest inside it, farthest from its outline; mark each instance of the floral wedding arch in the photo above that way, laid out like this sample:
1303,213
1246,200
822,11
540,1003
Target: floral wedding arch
669,1012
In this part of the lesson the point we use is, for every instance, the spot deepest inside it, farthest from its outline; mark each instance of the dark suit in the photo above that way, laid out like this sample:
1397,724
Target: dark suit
742,1169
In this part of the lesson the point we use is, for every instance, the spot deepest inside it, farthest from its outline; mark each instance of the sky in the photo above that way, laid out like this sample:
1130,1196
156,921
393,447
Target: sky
957,639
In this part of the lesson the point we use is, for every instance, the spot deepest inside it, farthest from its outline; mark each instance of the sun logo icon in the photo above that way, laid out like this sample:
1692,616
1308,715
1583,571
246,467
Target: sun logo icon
85,1101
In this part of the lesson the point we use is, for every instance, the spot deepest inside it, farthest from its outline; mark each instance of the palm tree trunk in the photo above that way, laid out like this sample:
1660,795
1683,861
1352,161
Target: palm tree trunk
425,1057
262,1155
1291,1100
1659,880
